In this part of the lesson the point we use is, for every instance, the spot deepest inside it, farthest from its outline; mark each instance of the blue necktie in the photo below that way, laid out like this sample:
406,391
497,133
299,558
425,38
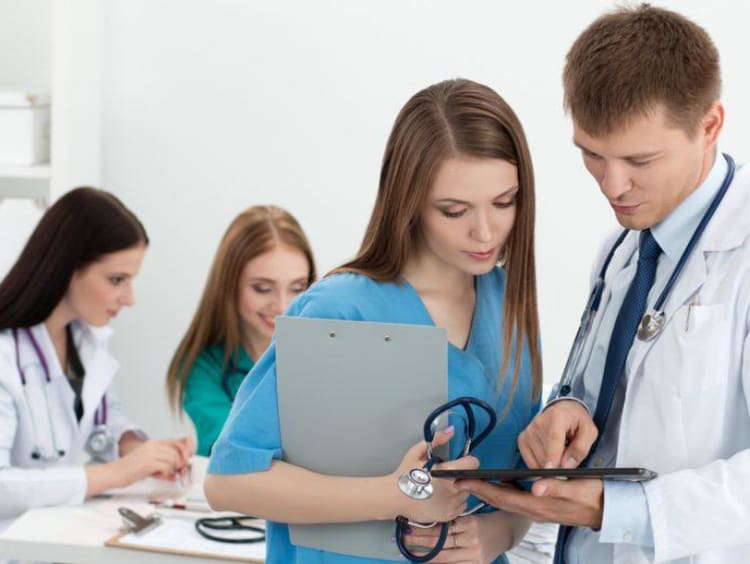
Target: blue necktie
626,324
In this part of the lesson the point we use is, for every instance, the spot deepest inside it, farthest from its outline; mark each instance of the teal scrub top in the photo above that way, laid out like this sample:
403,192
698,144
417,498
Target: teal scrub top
205,400
251,437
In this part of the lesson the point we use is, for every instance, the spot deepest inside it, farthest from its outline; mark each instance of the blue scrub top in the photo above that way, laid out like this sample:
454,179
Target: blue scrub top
251,438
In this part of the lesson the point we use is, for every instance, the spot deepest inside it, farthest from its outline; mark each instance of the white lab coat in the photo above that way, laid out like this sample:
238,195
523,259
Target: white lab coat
688,397
26,483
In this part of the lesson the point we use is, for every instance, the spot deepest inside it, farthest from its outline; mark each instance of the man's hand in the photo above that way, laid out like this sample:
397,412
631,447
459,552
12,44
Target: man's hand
578,502
560,436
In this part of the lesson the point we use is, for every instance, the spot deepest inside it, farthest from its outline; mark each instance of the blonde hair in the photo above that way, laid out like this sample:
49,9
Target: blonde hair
252,233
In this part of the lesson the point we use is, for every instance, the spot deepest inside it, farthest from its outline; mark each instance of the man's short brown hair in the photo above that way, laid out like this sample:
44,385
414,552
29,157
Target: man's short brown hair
632,60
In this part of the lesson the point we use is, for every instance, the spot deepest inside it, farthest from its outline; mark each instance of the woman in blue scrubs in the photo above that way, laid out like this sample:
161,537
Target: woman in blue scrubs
449,243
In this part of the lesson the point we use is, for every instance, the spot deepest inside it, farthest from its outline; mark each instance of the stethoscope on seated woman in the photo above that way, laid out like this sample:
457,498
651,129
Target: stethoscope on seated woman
100,441
653,320
231,369
417,483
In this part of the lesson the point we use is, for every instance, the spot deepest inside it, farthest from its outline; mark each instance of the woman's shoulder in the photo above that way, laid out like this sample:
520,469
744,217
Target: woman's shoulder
343,295
210,359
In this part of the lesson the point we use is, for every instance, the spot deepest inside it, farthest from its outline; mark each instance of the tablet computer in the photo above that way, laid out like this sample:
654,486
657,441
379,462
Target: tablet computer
521,474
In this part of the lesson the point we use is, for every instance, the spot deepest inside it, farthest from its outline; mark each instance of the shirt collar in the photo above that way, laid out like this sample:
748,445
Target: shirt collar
675,231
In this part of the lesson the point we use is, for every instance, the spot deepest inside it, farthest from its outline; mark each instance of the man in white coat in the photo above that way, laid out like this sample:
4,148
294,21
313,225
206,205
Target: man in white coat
670,392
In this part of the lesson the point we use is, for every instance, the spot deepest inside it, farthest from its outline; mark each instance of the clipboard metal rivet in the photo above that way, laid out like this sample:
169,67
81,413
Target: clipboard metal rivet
332,335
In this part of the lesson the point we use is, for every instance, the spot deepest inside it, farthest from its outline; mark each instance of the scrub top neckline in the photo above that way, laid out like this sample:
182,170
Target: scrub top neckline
422,305
243,359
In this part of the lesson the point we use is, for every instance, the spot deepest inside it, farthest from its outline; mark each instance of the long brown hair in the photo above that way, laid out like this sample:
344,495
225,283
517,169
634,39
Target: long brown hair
81,227
254,232
448,119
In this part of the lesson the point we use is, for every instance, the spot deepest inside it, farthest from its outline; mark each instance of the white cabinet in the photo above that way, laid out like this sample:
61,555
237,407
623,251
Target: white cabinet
55,46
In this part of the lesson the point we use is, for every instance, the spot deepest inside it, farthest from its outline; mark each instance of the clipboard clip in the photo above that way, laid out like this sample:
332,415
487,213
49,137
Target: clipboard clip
134,523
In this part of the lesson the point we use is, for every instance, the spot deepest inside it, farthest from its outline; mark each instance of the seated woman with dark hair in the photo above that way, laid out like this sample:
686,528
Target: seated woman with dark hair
73,276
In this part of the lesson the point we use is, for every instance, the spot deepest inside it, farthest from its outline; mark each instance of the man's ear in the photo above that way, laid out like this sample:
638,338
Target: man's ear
712,124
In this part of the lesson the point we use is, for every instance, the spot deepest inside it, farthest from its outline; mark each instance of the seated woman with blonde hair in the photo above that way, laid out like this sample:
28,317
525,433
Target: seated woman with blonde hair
263,262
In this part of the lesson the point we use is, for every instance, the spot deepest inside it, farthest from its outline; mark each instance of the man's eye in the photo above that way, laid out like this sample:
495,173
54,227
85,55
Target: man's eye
590,155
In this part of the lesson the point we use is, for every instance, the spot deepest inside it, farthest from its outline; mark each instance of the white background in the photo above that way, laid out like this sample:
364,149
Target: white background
203,108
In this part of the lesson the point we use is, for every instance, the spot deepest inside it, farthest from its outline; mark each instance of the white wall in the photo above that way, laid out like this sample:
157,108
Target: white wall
211,106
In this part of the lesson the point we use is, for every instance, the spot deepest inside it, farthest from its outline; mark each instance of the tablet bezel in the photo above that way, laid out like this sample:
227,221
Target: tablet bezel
522,474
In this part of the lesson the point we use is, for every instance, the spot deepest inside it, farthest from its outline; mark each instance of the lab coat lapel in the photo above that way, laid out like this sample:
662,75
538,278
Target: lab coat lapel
60,401
99,364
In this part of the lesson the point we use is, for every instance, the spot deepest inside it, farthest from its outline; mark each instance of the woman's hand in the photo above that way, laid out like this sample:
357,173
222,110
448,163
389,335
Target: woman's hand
475,539
163,459
449,498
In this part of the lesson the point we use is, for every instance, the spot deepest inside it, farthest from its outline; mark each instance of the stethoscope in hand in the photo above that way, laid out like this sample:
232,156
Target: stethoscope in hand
417,483
653,321
100,441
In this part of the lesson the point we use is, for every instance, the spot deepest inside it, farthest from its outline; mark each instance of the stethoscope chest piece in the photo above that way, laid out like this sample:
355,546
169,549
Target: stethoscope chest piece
100,441
417,484
651,325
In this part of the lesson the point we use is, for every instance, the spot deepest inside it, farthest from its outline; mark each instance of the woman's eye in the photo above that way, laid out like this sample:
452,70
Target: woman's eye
506,203
262,289
299,289
116,280
453,214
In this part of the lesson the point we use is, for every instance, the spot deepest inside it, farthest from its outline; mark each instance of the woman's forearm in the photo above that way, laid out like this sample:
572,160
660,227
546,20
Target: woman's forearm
102,477
290,494
129,441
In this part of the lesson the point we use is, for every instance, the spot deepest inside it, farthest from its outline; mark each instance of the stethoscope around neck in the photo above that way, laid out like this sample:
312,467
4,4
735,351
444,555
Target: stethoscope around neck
653,320
228,371
100,440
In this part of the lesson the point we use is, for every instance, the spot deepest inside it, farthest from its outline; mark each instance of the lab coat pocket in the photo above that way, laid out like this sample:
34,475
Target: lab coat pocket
702,347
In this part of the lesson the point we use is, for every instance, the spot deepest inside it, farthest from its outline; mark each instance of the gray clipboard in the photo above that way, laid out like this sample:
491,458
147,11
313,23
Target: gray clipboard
353,397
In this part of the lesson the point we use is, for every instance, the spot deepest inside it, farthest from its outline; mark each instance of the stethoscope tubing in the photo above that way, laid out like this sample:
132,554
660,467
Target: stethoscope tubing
100,415
231,369
466,402
217,524
592,306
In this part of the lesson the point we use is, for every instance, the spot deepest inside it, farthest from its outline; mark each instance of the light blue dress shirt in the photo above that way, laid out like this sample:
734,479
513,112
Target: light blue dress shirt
626,517
251,440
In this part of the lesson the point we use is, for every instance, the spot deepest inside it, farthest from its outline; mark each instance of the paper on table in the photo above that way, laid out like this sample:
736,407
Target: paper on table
179,536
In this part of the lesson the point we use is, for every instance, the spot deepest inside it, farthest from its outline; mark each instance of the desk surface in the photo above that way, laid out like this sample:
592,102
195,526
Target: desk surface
77,534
